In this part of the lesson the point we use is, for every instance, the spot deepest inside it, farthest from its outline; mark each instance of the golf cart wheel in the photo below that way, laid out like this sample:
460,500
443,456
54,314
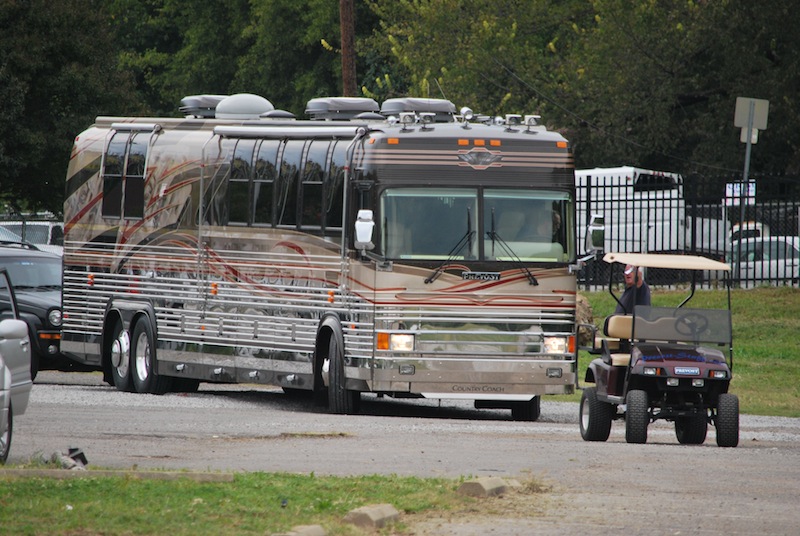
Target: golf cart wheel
595,417
636,417
728,420
692,429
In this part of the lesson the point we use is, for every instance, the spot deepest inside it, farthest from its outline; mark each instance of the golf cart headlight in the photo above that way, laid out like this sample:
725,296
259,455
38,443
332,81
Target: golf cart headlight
54,317
718,374
554,345
650,371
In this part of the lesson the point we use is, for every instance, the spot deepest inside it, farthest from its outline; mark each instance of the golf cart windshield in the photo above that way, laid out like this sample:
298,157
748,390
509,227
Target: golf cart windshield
670,324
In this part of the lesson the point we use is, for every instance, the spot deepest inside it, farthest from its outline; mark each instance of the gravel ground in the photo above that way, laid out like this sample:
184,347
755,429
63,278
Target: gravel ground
599,488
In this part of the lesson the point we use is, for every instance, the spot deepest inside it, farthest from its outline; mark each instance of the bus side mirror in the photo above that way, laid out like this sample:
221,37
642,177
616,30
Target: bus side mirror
364,228
595,235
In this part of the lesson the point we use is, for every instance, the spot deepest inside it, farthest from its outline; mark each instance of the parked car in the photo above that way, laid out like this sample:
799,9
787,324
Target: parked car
15,368
9,236
766,260
36,276
45,235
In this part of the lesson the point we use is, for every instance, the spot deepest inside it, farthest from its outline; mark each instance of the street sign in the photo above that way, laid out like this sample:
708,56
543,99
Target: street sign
736,191
760,110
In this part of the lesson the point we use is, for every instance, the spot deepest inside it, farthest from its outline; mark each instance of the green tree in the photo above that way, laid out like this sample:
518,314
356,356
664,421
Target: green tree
495,56
655,83
57,72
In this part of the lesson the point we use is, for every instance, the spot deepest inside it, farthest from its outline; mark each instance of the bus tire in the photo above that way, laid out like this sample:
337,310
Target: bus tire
340,399
143,360
120,358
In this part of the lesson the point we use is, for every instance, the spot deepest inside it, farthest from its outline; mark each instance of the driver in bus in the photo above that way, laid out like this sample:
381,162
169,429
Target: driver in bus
636,290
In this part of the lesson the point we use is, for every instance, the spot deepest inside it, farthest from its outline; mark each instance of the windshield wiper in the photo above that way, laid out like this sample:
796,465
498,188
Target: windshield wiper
466,239
495,236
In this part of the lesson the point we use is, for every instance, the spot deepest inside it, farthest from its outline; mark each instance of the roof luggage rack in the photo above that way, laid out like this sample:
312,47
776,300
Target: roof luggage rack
443,109
333,108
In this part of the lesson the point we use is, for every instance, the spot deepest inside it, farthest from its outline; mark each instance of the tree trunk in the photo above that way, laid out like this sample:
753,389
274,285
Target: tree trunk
347,23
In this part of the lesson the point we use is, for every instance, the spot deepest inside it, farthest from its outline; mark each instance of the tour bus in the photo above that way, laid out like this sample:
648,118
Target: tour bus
404,250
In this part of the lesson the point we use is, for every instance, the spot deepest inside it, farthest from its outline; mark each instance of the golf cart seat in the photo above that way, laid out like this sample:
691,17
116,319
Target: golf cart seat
619,330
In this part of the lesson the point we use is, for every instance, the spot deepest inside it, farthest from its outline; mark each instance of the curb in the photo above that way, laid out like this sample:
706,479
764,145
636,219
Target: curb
374,516
488,486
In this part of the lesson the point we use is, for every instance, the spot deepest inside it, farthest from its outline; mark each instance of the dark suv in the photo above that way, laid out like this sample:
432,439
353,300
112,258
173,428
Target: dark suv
36,276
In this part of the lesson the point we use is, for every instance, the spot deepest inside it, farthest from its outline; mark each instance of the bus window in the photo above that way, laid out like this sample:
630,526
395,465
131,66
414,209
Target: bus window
334,187
239,187
112,175
264,182
527,224
433,223
134,176
312,184
286,188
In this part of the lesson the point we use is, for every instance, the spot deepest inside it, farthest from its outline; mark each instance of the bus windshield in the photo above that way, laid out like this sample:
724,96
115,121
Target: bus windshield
442,223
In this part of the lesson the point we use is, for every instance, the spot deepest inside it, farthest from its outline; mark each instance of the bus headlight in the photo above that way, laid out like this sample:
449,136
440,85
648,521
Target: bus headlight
554,345
396,342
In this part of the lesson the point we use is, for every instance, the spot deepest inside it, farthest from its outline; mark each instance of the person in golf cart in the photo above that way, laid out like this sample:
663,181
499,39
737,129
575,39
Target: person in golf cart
636,290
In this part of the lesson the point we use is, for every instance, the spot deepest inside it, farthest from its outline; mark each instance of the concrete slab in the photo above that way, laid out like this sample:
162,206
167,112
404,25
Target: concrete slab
372,516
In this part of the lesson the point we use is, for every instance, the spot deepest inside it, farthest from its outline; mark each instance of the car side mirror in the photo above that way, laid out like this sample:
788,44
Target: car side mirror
595,235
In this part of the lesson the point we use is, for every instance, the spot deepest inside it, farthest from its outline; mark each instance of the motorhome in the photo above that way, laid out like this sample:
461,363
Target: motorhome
368,249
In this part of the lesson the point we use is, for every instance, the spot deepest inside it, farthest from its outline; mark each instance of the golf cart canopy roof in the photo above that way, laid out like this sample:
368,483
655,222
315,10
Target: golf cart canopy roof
676,262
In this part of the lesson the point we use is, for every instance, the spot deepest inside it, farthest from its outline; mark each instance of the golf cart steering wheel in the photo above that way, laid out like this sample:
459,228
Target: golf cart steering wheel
691,324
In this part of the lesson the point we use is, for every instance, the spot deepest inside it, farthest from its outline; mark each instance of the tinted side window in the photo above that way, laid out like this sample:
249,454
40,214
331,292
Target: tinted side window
334,187
312,183
112,175
265,174
286,189
135,175
124,172
239,187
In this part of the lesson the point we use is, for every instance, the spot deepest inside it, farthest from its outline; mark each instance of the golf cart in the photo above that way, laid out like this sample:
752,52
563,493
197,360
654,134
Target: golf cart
671,363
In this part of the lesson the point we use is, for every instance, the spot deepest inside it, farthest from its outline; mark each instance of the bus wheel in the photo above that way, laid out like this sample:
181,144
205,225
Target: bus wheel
143,361
340,399
121,358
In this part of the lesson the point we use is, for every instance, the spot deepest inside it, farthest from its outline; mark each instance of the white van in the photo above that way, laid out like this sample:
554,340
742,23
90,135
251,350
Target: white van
45,235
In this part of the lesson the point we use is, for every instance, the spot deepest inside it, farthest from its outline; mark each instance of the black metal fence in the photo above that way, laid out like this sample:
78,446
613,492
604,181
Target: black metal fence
693,216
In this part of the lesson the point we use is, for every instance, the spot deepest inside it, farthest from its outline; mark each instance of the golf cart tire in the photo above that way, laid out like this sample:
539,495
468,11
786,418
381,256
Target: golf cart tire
595,416
637,417
691,429
728,420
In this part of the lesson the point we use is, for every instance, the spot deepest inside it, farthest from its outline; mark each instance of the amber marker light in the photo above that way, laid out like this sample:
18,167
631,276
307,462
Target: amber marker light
382,341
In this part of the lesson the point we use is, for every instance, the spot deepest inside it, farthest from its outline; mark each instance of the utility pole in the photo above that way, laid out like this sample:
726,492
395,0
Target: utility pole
347,22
